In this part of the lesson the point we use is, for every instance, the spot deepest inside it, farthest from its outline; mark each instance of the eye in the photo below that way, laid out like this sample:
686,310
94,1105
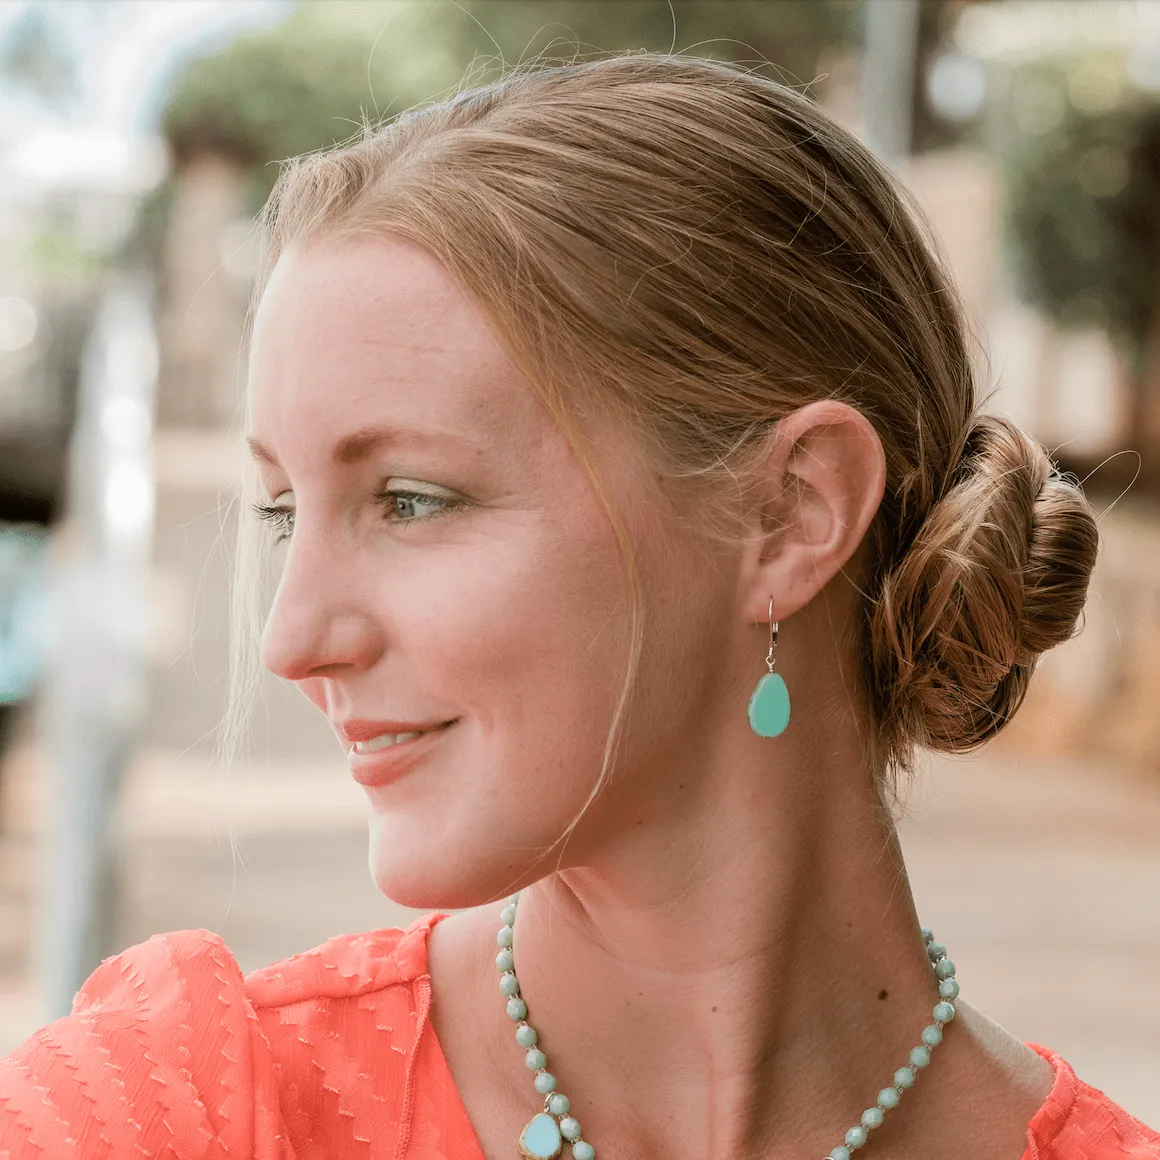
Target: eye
409,505
280,516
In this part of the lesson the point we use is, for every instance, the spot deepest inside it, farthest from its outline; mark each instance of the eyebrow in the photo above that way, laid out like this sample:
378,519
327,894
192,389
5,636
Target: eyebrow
355,447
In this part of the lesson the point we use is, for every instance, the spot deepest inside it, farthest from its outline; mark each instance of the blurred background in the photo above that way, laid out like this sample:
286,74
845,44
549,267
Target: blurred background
138,139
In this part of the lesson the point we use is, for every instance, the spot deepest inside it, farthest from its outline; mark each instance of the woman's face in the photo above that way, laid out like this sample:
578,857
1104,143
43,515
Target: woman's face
451,571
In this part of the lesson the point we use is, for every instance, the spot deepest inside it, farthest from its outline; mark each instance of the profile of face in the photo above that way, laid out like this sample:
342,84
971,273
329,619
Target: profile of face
450,569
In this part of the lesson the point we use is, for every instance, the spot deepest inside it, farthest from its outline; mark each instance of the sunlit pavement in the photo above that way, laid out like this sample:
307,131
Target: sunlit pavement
1042,877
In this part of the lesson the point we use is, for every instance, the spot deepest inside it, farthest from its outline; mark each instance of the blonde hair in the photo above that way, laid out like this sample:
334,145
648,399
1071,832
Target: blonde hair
704,250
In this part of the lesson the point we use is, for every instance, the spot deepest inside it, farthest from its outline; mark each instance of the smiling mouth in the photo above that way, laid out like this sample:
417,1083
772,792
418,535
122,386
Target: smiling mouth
387,740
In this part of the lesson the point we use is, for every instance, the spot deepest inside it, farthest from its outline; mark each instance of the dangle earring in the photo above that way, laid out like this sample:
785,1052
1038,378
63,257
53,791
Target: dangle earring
769,704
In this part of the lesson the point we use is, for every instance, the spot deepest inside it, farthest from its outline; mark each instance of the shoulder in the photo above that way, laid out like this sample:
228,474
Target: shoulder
161,1053
1079,1122
348,1027
346,967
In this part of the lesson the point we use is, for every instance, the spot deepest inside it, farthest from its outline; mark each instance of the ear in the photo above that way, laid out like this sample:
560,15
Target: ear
822,478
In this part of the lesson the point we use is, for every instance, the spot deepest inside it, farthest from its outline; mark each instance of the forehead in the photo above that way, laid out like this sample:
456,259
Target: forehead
377,328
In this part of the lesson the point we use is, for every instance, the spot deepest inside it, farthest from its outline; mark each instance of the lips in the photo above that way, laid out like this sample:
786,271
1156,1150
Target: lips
364,729
377,767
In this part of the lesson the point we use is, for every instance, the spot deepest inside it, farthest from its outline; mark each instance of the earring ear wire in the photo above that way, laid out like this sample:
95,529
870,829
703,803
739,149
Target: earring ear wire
772,636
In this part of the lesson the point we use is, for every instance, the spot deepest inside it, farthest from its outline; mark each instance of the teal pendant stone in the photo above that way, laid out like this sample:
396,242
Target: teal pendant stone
769,706
540,1140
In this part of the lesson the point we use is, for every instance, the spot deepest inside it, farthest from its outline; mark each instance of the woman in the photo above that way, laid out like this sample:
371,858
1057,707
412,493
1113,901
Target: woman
610,411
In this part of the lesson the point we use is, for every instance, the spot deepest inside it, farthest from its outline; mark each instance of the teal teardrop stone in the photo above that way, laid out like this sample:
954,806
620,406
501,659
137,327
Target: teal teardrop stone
540,1140
769,706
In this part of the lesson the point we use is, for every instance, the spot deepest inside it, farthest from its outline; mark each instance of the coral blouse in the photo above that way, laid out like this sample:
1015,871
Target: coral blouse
170,1052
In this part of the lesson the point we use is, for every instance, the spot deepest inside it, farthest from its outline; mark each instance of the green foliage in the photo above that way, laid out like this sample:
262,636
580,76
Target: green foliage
271,95
314,79
789,35
58,254
1083,212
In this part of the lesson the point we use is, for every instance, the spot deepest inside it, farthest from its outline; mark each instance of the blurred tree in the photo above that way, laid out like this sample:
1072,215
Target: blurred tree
1084,230
930,127
311,80
333,66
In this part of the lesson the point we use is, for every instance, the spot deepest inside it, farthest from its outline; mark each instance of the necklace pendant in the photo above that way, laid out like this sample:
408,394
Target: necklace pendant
541,1140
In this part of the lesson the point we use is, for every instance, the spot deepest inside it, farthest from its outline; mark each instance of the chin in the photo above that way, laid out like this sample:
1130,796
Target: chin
451,876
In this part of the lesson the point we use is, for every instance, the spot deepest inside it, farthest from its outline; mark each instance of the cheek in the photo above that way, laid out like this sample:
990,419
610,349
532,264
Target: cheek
529,648
527,643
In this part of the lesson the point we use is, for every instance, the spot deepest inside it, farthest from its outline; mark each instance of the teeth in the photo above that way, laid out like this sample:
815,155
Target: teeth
383,740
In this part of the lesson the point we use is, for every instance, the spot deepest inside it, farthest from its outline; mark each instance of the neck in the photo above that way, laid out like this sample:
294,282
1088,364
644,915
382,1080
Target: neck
747,971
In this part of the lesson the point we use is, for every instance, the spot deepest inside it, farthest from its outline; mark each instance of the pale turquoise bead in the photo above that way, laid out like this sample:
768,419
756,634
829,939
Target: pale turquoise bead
943,1012
948,989
932,1035
927,934
582,1150
570,1128
545,1082
936,950
517,1009
509,984
856,1137
526,1036
508,915
559,1104
535,1059
841,1152
904,1078
919,1056
505,936
944,968
889,1097
872,1118
505,961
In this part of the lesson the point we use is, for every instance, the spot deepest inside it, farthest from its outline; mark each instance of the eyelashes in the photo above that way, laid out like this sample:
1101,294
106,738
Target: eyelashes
281,519
399,507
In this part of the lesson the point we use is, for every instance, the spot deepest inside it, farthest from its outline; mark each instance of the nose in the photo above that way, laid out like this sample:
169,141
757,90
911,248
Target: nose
319,625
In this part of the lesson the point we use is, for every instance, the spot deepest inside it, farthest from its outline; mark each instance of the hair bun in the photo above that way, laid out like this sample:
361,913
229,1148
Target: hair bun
996,575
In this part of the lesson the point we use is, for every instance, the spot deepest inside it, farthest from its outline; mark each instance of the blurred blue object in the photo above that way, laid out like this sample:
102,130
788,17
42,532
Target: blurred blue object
23,609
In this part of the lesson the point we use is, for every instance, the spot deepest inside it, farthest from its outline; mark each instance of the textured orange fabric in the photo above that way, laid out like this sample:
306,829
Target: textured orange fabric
170,1053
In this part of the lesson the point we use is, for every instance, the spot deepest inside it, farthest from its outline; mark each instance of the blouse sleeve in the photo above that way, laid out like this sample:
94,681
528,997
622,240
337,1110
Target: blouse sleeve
162,1056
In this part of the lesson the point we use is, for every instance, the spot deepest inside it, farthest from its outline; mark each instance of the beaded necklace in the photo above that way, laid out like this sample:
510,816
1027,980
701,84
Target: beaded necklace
547,1131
